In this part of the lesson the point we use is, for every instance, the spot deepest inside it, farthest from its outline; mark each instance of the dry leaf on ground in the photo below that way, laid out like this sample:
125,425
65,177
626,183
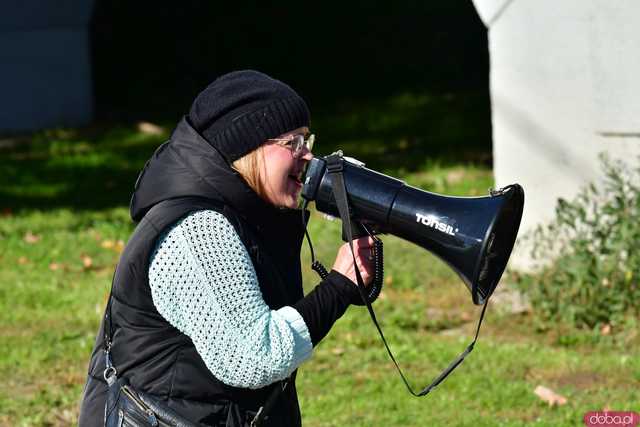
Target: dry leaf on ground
31,238
150,128
605,329
338,351
107,244
87,262
550,396
115,245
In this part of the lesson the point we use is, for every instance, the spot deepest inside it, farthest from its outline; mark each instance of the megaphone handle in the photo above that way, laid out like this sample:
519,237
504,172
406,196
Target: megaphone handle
357,230
375,287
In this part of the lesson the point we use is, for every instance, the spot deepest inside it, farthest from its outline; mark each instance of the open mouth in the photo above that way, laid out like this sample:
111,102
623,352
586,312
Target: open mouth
297,177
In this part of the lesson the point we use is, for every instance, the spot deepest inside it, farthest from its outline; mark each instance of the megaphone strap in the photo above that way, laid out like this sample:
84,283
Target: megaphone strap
335,168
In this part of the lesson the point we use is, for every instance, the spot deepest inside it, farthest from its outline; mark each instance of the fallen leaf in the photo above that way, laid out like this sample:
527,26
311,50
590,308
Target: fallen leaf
150,128
337,351
64,417
31,238
54,266
87,262
455,176
388,280
116,246
605,329
107,244
550,396
23,260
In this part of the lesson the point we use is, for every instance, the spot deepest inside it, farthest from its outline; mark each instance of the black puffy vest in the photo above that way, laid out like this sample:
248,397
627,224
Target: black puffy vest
184,175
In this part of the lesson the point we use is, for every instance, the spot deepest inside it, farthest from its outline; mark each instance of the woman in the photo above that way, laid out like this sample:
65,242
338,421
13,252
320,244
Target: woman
207,311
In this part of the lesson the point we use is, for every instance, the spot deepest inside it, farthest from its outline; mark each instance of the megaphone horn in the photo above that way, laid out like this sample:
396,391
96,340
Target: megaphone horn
473,235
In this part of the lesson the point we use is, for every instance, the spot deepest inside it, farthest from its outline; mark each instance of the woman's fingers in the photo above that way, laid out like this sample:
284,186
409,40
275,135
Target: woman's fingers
363,250
364,242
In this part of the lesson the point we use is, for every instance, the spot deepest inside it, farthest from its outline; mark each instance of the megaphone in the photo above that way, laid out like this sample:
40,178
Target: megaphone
473,235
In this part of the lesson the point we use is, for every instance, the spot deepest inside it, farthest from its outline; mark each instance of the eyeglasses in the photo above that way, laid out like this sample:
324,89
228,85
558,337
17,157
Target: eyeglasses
296,143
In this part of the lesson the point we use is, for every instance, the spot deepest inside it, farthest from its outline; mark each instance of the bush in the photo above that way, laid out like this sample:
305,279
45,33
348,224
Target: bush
594,279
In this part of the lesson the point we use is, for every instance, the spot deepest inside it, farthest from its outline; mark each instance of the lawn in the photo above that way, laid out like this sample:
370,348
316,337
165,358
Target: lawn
64,221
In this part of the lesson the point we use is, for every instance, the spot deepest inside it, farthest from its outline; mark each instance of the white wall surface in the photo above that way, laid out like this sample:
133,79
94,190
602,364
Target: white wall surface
565,86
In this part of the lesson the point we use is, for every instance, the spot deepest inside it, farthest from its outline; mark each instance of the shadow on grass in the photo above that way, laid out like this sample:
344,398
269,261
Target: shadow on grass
88,169
407,132
96,168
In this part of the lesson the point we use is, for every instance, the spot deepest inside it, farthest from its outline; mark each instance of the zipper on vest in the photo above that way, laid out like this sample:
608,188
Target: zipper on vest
153,420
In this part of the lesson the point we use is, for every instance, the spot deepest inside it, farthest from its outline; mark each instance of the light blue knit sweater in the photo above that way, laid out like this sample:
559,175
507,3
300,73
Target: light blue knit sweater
203,283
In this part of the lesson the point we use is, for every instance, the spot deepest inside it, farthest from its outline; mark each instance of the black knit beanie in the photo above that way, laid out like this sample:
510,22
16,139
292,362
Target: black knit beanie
239,111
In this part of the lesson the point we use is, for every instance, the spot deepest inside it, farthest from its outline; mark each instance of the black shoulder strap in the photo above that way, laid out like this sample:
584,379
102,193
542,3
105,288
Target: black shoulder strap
335,168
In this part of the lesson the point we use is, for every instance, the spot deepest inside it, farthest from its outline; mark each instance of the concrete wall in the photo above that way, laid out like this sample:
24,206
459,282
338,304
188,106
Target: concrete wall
565,85
45,74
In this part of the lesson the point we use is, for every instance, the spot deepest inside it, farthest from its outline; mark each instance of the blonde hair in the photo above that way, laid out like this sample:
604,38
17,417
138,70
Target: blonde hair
250,167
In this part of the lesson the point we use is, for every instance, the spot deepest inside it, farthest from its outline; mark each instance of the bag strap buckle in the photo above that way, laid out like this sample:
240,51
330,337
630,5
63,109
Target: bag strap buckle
110,373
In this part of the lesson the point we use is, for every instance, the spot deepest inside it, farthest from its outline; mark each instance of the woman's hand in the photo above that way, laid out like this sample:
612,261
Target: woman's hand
363,250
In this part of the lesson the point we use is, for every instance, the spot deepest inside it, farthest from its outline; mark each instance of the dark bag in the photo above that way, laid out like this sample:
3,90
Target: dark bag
127,407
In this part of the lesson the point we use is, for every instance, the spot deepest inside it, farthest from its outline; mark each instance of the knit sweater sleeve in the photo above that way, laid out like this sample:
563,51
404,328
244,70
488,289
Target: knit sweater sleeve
203,283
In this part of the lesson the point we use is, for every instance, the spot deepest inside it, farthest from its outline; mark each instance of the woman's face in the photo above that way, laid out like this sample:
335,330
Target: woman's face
282,171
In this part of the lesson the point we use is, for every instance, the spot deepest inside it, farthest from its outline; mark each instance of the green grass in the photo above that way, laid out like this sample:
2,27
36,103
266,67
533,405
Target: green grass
63,221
